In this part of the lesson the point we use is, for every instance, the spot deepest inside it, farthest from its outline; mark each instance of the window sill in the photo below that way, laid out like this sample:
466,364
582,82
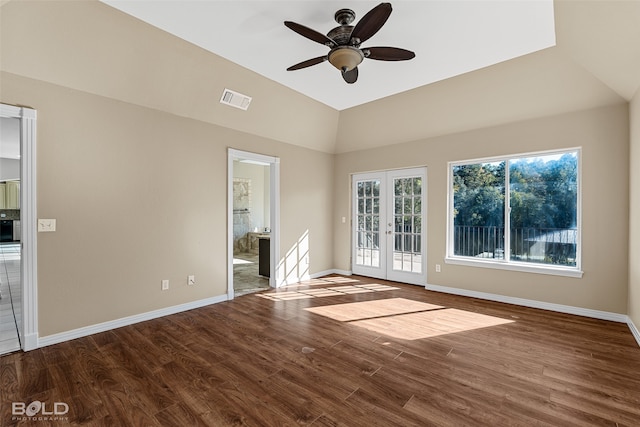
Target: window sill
514,266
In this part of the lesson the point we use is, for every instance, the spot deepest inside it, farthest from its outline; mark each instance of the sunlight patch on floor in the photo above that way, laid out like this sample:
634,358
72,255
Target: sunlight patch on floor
372,309
407,319
324,292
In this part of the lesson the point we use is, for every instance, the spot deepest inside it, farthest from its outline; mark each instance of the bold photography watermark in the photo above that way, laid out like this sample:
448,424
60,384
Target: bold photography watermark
39,411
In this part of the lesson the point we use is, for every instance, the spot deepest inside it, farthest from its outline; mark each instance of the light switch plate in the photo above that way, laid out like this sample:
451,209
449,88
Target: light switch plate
45,225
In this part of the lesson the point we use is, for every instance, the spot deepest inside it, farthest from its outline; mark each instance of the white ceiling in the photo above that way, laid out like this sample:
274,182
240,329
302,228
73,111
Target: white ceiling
449,37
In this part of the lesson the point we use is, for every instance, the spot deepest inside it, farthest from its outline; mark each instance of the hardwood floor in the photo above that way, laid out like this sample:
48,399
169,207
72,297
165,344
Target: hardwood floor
390,355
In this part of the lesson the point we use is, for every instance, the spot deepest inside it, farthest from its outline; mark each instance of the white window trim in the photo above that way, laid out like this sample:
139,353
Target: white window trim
450,258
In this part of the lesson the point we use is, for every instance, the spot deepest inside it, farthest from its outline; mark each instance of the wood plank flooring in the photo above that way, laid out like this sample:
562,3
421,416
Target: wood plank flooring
346,351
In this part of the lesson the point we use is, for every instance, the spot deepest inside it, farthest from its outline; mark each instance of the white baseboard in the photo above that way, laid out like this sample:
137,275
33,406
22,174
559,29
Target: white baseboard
30,342
124,321
330,272
293,280
306,277
596,314
634,330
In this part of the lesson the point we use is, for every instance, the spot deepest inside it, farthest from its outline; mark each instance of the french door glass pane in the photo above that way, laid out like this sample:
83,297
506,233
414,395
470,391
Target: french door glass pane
407,250
368,235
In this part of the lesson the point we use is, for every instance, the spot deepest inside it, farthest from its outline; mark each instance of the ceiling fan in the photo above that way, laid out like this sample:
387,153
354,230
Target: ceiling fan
344,42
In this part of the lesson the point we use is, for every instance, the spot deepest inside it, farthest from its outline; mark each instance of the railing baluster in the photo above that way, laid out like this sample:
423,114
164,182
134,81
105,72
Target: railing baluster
528,244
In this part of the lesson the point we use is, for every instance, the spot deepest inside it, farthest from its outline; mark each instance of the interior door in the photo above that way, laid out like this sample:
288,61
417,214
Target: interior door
389,214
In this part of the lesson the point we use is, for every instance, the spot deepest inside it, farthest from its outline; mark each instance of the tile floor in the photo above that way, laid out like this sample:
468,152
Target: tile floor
11,301
246,279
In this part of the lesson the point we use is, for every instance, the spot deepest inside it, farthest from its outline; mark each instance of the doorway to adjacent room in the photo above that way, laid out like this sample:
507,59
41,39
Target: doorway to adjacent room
18,306
253,222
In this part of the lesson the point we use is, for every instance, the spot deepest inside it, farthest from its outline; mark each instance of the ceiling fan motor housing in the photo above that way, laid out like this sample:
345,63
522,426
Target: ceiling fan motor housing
341,35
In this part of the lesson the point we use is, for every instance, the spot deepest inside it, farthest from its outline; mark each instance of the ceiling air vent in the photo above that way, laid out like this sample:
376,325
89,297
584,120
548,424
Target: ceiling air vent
235,99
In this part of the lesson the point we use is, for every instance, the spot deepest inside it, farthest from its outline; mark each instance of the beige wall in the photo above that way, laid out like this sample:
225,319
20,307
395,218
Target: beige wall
92,47
139,196
602,133
132,159
132,162
634,213
523,88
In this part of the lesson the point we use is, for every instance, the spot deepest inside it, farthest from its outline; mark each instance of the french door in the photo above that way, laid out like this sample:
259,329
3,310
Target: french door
389,225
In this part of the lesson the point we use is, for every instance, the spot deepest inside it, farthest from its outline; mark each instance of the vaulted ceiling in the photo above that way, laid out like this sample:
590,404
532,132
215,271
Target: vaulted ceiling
479,63
95,48
449,38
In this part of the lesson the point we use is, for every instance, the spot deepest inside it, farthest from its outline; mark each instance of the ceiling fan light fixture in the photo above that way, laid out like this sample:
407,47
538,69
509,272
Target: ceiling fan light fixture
345,58
344,42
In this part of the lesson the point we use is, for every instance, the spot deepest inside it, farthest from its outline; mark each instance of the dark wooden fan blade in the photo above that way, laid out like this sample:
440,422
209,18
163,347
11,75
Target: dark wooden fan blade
310,34
371,23
389,53
308,63
350,76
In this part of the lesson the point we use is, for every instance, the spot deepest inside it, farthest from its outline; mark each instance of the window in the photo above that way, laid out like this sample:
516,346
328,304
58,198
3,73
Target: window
520,212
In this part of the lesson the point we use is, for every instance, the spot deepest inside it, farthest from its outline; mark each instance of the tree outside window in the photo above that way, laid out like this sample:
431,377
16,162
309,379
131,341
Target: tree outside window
519,210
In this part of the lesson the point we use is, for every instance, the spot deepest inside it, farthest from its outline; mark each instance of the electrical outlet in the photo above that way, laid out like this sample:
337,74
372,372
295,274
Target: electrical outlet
191,280
438,268
45,225
165,285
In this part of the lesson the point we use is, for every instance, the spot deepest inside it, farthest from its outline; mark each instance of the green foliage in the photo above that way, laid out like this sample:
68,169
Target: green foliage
543,193
542,197
479,194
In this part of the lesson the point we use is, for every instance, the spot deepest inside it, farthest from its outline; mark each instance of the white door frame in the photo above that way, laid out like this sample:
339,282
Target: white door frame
386,228
275,278
28,224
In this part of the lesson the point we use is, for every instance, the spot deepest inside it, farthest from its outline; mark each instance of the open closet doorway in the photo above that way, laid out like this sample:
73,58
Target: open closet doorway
18,310
253,222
